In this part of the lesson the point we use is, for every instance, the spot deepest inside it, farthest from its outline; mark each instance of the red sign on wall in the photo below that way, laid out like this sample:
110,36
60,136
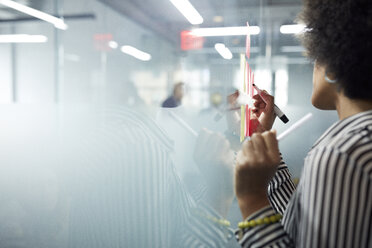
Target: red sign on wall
190,41
101,42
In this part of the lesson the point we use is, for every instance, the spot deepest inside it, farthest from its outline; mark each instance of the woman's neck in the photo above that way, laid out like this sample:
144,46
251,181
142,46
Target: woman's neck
347,107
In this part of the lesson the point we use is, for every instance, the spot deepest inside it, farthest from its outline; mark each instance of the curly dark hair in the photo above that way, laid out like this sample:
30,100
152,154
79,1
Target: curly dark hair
338,36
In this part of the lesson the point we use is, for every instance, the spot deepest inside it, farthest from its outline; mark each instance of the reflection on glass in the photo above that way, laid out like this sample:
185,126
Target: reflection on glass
88,156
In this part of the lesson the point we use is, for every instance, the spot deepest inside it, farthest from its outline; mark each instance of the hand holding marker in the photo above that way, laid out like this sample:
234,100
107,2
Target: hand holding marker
243,99
277,110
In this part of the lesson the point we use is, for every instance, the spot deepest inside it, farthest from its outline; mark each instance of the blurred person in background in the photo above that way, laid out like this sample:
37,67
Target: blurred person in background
332,206
175,99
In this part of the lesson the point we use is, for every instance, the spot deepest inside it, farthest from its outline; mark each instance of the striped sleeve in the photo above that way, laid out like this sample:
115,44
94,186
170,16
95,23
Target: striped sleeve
268,235
281,188
336,197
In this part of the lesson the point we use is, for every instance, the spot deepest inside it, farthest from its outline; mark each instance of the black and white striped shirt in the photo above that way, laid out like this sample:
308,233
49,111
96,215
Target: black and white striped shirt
332,206
269,235
280,191
281,188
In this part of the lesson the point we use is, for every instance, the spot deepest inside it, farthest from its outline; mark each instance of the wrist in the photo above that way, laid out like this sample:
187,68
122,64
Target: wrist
251,203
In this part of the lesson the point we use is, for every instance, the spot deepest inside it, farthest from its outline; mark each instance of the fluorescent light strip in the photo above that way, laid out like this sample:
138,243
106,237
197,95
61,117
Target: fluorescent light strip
226,31
57,22
113,44
138,54
292,29
209,50
223,51
23,38
188,11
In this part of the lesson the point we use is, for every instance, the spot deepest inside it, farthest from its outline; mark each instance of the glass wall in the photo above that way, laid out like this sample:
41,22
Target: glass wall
53,93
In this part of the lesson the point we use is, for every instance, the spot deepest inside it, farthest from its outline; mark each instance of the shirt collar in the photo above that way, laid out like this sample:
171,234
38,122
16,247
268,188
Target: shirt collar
344,126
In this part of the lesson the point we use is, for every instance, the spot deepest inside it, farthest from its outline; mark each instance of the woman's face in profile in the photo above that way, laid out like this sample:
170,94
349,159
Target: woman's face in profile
324,94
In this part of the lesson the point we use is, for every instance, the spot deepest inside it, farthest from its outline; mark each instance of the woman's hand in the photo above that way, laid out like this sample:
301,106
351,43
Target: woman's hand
263,111
262,117
256,164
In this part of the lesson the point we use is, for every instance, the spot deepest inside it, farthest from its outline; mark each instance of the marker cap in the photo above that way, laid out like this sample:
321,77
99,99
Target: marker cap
284,118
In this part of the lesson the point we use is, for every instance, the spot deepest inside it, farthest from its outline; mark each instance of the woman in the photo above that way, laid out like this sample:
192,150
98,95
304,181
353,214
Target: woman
332,206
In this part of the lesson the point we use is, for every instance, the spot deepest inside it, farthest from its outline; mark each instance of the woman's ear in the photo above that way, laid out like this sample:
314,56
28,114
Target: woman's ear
329,77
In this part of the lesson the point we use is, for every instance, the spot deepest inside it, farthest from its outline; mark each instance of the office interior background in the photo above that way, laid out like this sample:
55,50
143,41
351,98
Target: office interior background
86,63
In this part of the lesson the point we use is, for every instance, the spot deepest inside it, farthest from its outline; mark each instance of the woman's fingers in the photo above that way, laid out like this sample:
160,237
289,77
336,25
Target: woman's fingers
257,97
259,104
270,140
262,148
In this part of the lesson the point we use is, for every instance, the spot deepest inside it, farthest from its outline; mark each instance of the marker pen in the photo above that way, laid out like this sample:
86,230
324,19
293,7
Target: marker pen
296,125
277,110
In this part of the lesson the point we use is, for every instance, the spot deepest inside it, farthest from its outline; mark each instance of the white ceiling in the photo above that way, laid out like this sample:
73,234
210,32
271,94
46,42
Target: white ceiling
163,18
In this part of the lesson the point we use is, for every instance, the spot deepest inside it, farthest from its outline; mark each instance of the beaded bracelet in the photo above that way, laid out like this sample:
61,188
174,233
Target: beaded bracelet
267,220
